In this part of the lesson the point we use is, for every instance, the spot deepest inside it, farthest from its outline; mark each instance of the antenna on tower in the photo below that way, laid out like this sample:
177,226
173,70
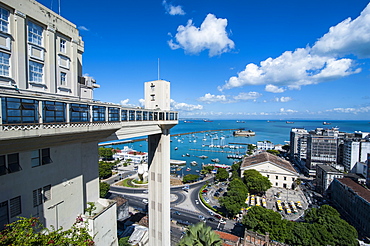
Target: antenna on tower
59,6
158,69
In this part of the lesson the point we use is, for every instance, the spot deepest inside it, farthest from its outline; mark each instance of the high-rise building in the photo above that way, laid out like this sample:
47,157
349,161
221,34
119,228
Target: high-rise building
355,150
51,127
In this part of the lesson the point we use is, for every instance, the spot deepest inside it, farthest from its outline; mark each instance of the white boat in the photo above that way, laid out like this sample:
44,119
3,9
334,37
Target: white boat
203,157
193,163
216,160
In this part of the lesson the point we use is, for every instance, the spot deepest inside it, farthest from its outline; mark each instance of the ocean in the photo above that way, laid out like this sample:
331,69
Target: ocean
190,147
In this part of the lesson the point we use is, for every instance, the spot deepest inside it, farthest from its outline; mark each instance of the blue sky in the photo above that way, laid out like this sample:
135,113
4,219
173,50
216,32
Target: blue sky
231,59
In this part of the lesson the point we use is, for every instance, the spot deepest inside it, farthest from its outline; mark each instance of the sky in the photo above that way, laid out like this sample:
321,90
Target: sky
266,59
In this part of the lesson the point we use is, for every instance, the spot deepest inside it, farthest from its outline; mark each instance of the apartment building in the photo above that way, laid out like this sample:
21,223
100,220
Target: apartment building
324,176
51,126
355,150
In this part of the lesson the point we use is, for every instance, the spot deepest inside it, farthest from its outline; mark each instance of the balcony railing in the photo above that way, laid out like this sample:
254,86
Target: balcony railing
21,113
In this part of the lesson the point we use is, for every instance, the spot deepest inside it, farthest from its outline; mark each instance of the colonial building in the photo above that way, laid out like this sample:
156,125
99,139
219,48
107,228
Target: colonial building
353,202
51,127
279,171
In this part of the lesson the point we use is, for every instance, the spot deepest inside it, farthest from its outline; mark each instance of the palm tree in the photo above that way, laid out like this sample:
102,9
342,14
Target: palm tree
200,235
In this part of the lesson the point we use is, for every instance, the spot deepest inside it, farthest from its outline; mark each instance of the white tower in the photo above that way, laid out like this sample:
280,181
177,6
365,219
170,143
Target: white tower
157,96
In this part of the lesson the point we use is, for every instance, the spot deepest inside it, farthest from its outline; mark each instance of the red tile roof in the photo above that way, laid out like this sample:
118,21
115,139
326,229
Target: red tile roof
265,156
360,190
227,236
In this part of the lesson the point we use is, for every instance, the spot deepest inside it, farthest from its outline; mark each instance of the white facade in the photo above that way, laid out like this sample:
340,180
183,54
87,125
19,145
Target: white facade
157,95
51,127
355,151
280,172
265,145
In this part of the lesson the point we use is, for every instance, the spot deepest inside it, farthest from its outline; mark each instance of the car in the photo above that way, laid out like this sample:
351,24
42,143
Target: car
145,201
177,213
218,216
201,217
217,194
196,202
211,213
211,219
222,221
145,191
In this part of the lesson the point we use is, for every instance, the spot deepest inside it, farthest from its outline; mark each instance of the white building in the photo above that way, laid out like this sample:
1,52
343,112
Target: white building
51,126
355,150
265,145
279,171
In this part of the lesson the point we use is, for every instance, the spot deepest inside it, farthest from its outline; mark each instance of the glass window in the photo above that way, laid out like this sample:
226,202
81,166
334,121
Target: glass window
36,71
138,115
145,115
34,33
47,193
53,112
37,197
4,215
2,165
4,20
4,64
63,44
35,158
13,163
63,78
16,110
113,114
45,156
124,115
98,113
79,112
131,115
15,206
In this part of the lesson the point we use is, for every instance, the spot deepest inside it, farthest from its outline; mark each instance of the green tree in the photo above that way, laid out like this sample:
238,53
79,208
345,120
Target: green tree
190,178
273,151
235,197
104,189
200,235
105,169
105,152
222,174
30,231
124,241
255,181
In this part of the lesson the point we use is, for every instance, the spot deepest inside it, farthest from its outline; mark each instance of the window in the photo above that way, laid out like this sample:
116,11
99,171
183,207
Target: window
4,215
79,112
63,43
3,169
98,113
63,78
4,20
268,176
53,112
284,178
16,110
13,163
40,157
36,72
277,177
4,64
15,206
292,179
41,195
34,33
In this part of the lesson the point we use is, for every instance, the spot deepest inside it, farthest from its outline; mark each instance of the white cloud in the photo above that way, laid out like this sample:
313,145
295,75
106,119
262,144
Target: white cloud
82,28
184,106
209,98
351,110
348,37
173,10
283,99
274,89
243,96
211,35
322,62
142,102
287,111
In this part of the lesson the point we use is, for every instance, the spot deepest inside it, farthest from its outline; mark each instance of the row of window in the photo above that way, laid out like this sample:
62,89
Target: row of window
13,207
10,163
19,110
277,177
35,40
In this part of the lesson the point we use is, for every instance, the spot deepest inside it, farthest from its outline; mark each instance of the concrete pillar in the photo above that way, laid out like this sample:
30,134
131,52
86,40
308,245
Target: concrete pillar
159,188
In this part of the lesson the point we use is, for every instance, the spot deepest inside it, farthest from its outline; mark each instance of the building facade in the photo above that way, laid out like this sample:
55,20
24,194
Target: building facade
324,176
51,126
353,202
280,172
355,150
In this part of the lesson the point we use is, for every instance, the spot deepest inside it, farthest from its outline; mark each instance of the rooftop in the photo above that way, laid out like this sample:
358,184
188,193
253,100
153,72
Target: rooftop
358,189
327,168
264,157
227,236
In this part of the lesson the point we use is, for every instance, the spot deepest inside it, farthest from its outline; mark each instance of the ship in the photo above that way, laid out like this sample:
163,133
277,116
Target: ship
326,123
289,122
207,120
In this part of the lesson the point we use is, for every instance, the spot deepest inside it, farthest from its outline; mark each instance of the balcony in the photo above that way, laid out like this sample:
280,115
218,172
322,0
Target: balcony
25,115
